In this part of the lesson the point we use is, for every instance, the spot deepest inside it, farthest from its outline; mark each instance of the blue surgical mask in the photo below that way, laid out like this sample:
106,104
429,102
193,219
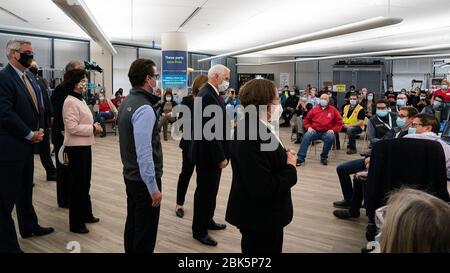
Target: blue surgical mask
401,122
382,113
304,99
401,102
323,103
369,97
437,104
411,131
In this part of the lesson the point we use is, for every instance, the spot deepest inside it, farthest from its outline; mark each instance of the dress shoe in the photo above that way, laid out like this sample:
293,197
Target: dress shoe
341,204
216,226
80,231
206,240
324,162
300,163
180,212
351,151
344,214
93,220
51,177
40,231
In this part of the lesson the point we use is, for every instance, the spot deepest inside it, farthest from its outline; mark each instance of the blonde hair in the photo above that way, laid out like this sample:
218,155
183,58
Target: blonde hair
415,222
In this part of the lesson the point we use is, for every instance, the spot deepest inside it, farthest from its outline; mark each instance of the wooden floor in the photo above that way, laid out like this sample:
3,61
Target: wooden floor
313,228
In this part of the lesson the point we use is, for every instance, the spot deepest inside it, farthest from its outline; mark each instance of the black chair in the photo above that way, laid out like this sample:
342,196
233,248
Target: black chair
394,163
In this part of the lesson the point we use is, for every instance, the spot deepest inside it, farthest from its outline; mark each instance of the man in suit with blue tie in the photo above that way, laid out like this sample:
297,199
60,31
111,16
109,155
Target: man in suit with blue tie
21,123
210,156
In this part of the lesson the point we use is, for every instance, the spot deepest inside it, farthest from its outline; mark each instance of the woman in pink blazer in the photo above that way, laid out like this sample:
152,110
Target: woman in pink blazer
79,132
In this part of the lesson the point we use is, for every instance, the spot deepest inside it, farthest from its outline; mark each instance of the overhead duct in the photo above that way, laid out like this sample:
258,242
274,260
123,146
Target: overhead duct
82,16
418,57
378,54
368,24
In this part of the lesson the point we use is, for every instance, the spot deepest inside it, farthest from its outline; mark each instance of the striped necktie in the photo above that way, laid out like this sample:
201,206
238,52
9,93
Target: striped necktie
30,91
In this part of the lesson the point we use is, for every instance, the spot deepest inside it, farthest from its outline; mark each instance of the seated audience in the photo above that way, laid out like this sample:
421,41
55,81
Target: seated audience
301,111
289,109
118,98
380,124
312,97
353,116
415,222
436,108
369,105
422,101
322,122
402,100
444,91
106,110
427,126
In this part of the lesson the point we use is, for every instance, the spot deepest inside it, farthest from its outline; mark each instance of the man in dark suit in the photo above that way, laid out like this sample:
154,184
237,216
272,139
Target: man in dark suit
44,146
210,156
21,126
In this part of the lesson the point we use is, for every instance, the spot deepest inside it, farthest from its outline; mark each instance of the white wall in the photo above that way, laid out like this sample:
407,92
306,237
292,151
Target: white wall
104,60
275,69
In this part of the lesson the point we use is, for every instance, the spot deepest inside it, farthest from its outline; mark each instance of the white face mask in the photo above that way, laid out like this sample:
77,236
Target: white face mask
277,110
224,86
169,99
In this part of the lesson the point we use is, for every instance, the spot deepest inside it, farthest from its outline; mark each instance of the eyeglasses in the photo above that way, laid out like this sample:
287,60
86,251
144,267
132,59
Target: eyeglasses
414,125
156,76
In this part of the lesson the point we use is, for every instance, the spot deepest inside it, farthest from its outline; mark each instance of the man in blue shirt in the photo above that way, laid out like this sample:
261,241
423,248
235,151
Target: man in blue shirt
141,153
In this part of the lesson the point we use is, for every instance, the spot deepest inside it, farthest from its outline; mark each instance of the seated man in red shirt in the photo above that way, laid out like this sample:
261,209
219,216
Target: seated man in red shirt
443,92
106,110
322,122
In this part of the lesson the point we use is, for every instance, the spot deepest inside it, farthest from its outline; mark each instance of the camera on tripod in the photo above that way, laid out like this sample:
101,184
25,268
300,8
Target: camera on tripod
93,66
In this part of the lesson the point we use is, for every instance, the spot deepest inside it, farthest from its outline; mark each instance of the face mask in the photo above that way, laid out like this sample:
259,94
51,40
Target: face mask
382,113
411,131
102,98
224,86
313,94
445,87
401,102
437,104
369,97
276,112
423,98
33,70
323,103
292,93
304,99
169,99
353,102
25,60
391,89
82,86
401,122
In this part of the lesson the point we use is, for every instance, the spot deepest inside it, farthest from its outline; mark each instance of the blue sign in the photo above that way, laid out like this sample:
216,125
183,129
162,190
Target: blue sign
174,72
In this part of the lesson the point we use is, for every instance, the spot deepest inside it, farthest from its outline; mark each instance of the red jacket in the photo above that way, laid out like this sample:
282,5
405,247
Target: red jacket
323,120
442,93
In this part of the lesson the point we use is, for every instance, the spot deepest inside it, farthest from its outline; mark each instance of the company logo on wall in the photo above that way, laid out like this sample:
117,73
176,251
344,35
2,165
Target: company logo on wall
174,72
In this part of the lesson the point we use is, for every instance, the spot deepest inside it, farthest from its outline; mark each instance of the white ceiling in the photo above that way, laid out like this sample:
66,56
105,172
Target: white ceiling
230,25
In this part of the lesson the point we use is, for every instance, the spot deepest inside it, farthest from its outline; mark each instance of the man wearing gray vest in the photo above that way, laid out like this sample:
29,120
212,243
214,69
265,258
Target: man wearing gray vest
141,153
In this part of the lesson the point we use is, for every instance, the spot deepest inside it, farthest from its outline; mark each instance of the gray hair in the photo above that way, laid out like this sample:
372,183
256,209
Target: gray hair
218,70
72,64
14,45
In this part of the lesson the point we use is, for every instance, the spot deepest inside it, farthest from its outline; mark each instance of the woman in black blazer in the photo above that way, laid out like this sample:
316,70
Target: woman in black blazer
260,198
188,167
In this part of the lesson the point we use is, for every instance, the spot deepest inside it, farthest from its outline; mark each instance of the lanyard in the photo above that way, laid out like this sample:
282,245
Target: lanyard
389,126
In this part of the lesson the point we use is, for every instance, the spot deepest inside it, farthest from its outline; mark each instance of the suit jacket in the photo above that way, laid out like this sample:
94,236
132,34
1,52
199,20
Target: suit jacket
260,195
405,162
211,152
189,102
58,97
48,108
18,116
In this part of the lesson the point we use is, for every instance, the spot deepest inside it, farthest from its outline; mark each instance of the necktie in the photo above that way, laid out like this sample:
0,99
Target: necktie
30,91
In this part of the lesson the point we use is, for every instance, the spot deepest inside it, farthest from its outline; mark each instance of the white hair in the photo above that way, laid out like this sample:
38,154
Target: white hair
217,70
14,45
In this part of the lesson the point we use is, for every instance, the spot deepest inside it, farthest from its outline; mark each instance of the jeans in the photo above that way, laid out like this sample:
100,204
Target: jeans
327,138
103,116
351,133
344,171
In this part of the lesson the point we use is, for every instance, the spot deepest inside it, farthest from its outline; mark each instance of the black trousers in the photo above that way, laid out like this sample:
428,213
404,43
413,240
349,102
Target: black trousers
16,188
45,153
62,173
80,168
141,227
261,242
185,177
358,195
208,178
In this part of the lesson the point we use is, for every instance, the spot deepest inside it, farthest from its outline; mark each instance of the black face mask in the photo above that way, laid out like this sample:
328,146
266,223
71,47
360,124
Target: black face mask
33,70
25,59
